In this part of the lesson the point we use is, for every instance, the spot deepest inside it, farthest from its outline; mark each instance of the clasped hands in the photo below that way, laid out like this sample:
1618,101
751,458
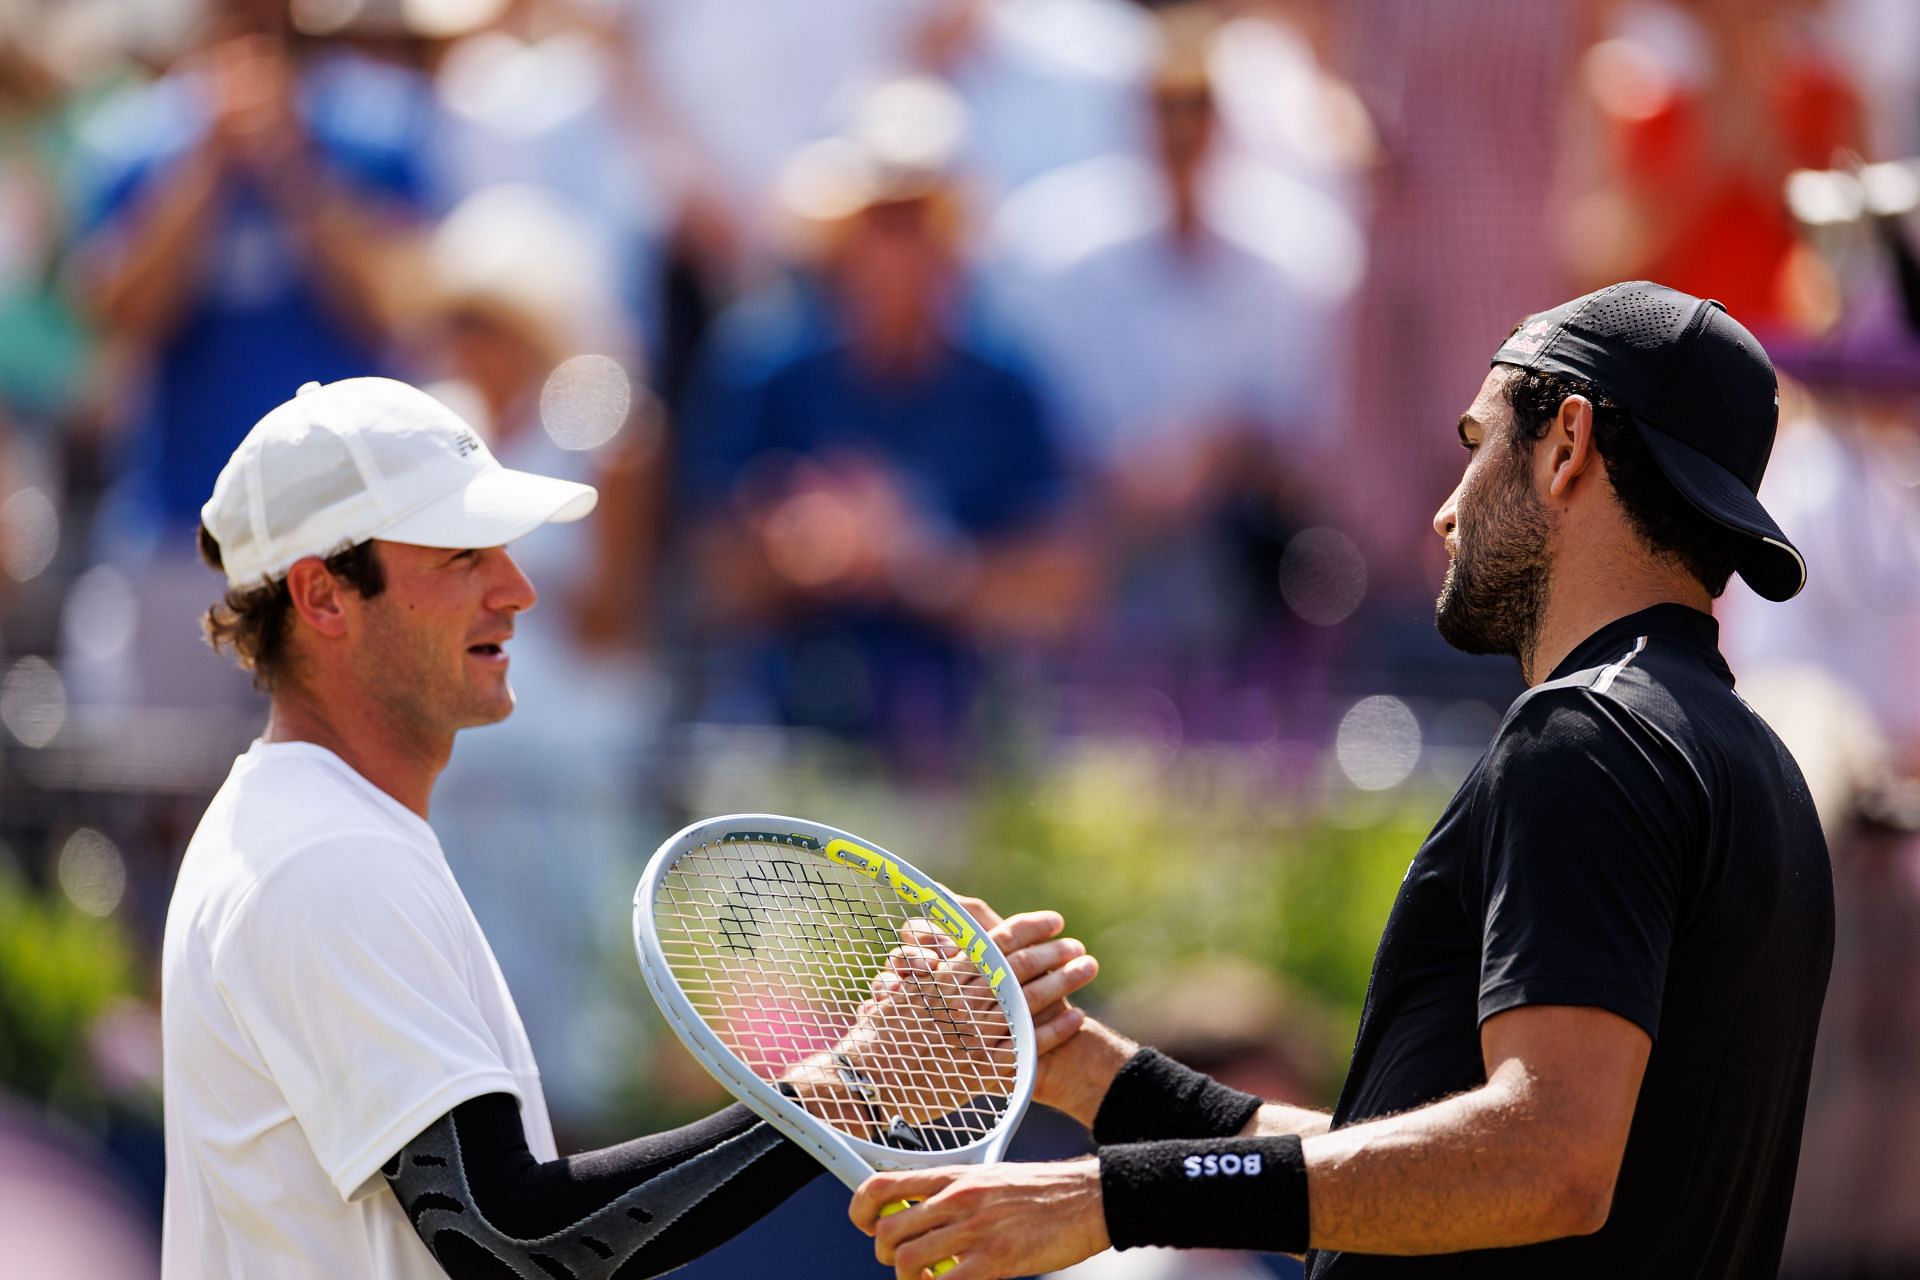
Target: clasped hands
932,1038
999,1220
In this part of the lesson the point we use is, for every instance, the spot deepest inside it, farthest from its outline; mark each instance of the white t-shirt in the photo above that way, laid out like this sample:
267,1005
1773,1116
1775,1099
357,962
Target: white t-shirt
325,995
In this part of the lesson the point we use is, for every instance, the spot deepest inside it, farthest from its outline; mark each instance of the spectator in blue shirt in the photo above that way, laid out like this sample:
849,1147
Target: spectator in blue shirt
880,491
242,220
1187,308
247,224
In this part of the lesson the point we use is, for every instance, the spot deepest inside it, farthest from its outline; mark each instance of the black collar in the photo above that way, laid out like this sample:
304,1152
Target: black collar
1679,623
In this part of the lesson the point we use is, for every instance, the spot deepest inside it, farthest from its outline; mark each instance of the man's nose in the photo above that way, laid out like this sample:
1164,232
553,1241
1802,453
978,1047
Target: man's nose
1446,519
512,589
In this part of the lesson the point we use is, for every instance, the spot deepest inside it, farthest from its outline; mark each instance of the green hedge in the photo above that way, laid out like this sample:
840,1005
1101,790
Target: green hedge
1158,863
1155,870
59,970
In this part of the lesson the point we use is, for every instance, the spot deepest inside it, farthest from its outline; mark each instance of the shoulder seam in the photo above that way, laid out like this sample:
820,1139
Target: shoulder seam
1596,680
1611,671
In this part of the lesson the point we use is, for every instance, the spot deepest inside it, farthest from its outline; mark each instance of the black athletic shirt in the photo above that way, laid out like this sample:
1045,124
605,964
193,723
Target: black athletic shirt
1635,839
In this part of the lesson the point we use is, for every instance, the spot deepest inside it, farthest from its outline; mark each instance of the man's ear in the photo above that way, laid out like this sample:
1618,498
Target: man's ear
318,597
1571,453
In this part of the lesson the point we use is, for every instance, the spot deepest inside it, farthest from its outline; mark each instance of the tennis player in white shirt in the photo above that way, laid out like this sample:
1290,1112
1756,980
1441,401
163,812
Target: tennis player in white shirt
348,1088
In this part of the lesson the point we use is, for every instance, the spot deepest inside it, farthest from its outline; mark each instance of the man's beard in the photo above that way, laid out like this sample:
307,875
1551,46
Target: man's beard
1495,591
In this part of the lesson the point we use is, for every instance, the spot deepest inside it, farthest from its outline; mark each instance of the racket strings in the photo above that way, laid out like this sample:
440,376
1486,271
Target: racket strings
802,966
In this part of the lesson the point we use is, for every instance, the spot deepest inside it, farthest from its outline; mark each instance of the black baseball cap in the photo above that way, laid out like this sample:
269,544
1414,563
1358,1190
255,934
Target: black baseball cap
1699,389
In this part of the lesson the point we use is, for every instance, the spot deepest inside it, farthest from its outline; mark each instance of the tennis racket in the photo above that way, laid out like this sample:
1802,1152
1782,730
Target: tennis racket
838,992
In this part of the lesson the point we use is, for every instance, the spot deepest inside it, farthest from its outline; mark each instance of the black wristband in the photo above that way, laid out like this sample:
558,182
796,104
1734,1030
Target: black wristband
1206,1193
1155,1097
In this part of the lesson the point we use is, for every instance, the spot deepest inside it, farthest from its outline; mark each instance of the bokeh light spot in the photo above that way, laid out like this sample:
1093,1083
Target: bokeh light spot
586,401
101,615
92,873
1378,743
29,534
442,19
1627,80
1323,576
33,702
324,17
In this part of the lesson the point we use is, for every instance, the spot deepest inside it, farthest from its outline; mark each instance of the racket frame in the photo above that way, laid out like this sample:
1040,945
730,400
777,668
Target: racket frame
848,1158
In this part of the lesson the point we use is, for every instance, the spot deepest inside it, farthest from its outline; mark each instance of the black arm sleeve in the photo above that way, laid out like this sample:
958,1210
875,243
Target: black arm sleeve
487,1208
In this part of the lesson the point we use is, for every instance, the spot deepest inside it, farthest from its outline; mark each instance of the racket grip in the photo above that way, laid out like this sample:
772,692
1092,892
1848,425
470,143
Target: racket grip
941,1267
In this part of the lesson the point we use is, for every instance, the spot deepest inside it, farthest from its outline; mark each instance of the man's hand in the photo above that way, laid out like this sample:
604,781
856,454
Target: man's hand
1079,1056
254,125
1050,968
928,979
933,1036
836,527
999,1220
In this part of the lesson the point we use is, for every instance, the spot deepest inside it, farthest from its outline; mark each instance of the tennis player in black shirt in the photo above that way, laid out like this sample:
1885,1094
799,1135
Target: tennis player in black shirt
1586,1043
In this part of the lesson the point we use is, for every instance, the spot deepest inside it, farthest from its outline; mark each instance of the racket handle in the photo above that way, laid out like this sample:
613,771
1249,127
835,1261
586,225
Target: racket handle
941,1267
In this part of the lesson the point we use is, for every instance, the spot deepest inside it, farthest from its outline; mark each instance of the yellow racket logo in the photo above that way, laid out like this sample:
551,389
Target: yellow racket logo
955,923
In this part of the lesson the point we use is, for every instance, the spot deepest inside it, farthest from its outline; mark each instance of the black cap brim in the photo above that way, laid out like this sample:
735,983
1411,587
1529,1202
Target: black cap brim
1772,565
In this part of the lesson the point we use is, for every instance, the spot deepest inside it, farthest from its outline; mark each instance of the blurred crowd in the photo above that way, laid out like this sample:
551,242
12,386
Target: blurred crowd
962,378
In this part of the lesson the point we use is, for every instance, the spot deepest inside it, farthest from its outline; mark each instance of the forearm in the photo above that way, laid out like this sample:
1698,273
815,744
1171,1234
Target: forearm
135,278
1275,1119
610,612
477,1196
1487,1169
1080,1074
739,587
1481,1170
1075,1077
1032,588
368,263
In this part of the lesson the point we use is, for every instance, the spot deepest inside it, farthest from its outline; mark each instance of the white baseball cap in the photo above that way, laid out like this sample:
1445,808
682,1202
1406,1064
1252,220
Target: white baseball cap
370,458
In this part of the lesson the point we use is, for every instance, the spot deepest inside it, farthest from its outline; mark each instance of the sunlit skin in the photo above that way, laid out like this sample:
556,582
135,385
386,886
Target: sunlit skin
892,272
1599,568
1048,967
386,682
1497,532
1530,1155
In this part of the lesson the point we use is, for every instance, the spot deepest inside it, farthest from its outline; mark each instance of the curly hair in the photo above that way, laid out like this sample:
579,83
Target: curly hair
253,621
1665,522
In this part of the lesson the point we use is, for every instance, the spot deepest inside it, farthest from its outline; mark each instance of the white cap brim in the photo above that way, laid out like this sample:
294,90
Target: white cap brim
493,508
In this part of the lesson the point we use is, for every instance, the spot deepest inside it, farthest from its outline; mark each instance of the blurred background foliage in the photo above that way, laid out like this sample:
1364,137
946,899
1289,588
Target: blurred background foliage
61,970
1154,873
1165,865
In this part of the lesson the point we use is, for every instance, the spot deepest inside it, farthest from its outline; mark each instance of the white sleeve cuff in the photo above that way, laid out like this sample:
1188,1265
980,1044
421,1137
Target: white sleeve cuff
355,1177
